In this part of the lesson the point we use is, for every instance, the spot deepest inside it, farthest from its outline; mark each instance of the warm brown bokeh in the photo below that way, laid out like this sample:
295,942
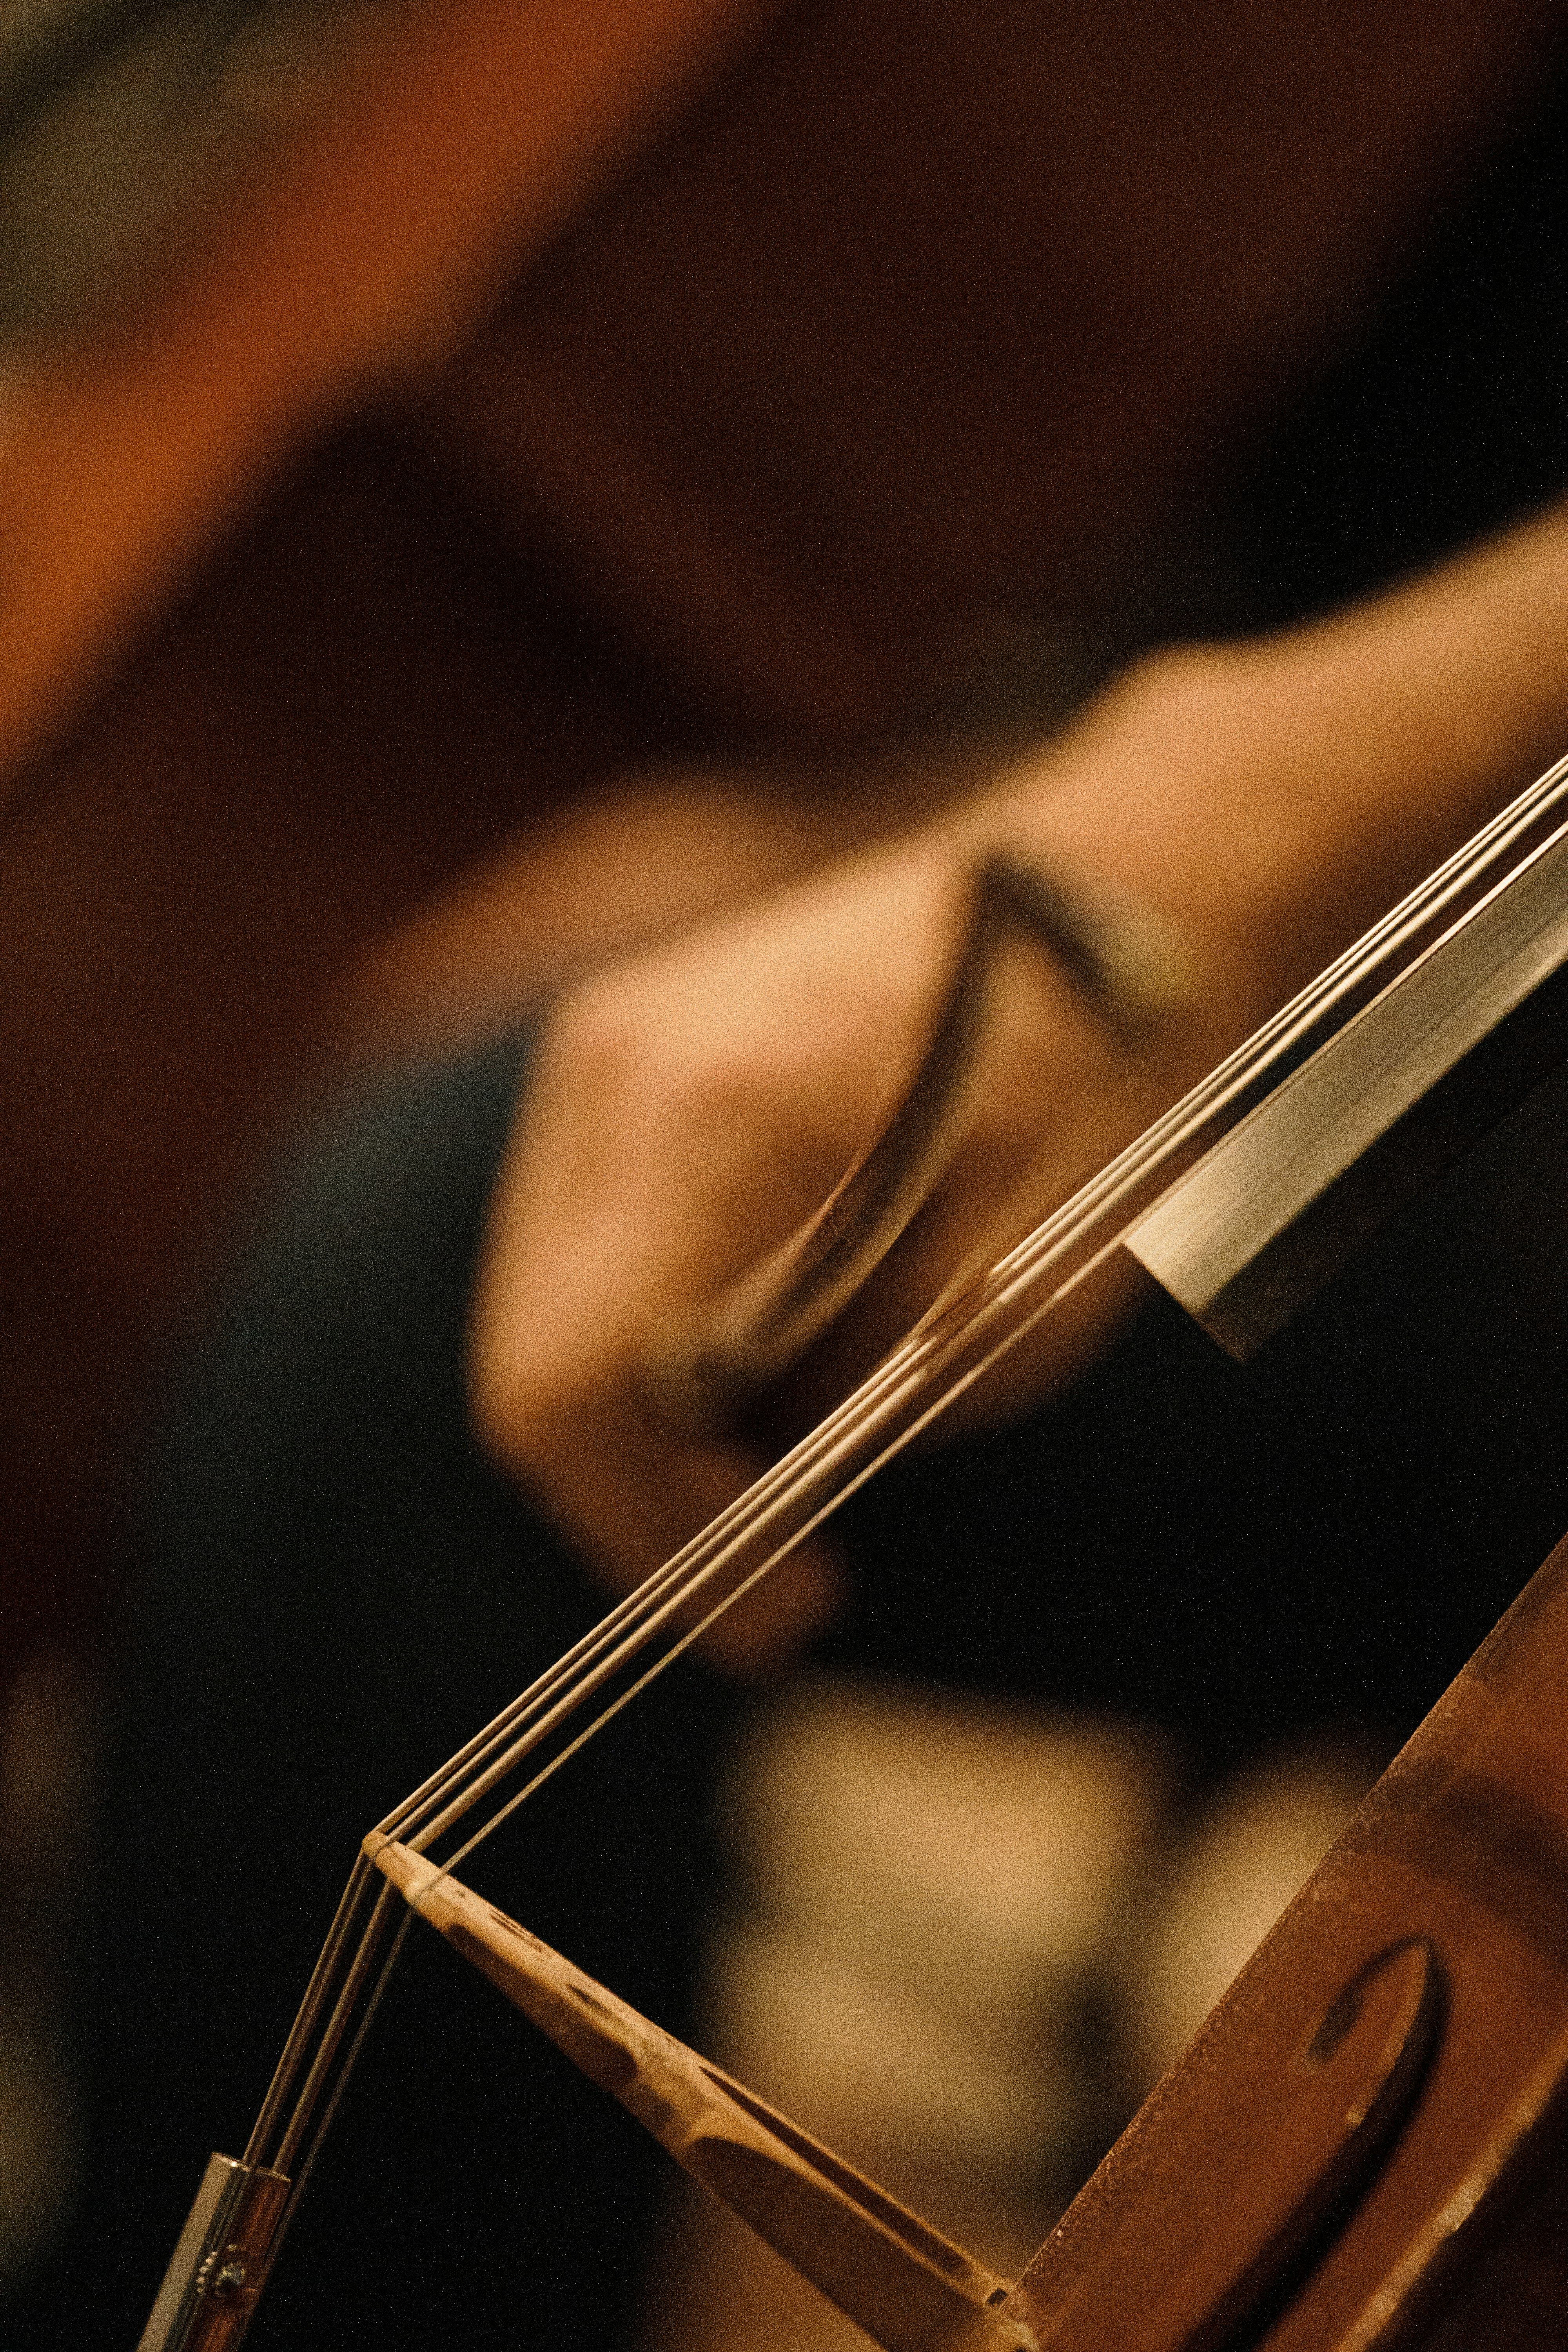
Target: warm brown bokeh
779,348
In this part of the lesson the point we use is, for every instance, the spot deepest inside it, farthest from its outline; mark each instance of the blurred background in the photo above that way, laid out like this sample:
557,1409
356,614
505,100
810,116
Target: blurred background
480,487
118,118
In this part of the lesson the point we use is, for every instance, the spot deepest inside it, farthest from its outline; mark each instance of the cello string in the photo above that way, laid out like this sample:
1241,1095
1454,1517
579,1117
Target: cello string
1044,1246
841,1489
343,2006
649,1610
1456,874
354,1986
1018,1273
1019,1214
317,1994
840,1494
318,2136
327,1975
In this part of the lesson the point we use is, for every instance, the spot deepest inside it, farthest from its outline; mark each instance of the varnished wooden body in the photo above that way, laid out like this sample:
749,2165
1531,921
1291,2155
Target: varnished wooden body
1364,2147
1458,2239
716,396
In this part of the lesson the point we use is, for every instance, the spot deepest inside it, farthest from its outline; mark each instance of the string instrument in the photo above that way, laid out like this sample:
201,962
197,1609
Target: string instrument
1369,2123
299,553
588,387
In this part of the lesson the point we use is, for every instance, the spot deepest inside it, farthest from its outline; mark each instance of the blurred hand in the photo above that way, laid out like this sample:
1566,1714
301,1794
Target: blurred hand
689,1107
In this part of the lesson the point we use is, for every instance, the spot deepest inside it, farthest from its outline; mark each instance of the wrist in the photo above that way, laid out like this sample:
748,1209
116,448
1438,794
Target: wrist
1273,797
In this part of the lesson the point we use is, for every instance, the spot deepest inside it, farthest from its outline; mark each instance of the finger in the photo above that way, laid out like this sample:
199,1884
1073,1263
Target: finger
607,1205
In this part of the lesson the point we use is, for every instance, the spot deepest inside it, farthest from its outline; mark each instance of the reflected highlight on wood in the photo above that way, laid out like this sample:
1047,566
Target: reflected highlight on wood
1461,1850
906,2285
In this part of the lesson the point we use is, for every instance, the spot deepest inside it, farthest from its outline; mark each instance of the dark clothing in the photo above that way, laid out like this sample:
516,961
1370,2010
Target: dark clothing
337,1590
